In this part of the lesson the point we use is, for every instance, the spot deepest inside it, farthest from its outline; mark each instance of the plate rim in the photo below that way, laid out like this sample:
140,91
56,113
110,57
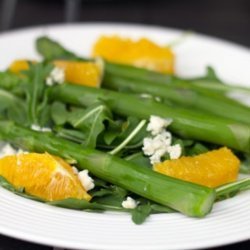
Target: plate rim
19,31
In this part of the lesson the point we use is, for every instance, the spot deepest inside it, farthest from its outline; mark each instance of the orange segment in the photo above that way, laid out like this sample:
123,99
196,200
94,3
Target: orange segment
82,73
19,65
212,169
43,175
141,53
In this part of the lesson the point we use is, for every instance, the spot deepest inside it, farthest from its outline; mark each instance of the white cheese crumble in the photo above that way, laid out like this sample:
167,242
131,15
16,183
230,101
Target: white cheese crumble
129,203
41,129
174,151
7,150
157,146
160,144
56,76
157,124
86,181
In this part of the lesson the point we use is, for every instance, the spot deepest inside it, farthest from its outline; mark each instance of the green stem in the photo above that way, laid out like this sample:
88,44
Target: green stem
129,138
233,187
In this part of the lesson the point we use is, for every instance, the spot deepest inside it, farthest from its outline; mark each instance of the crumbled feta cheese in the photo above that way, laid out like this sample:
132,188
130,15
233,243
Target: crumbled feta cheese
160,144
41,129
157,124
156,157
56,76
75,170
174,151
7,150
86,181
157,146
129,203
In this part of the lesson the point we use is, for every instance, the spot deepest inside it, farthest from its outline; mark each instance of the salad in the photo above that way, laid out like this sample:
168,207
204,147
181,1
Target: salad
120,131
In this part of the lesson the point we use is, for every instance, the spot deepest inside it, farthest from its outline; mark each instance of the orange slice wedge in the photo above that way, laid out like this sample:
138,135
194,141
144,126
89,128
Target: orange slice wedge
82,73
212,169
141,53
42,175
19,65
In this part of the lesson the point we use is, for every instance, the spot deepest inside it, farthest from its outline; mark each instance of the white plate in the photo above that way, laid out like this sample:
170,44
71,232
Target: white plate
32,221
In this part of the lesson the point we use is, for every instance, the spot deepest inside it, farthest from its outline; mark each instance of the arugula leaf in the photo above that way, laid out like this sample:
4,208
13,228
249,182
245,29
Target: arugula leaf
245,164
210,76
114,196
139,159
197,148
102,192
13,107
122,132
52,50
73,203
141,213
10,82
157,208
91,121
36,93
59,113
112,131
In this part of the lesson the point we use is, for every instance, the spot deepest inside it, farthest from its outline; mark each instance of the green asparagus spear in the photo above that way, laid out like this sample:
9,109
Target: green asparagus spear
188,198
211,103
186,123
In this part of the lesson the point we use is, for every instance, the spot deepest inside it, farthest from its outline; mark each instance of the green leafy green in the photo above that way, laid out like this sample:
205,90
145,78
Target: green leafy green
245,164
37,93
231,189
12,107
141,213
52,50
157,208
210,76
196,149
90,122
139,159
113,196
126,129
12,82
59,113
